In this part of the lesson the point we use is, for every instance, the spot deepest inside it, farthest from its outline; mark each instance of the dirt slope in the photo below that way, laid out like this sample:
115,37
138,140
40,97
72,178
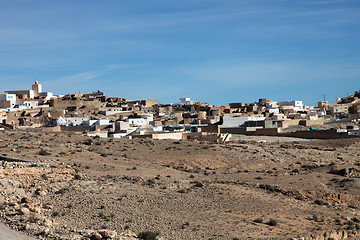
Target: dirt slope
180,189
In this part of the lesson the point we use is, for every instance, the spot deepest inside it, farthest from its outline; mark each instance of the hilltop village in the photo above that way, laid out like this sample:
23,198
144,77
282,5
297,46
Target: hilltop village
88,166
98,115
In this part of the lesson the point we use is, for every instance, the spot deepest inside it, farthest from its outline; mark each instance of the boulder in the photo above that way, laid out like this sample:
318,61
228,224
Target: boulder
27,201
24,211
107,234
35,209
96,236
346,172
47,222
78,237
319,237
345,235
128,235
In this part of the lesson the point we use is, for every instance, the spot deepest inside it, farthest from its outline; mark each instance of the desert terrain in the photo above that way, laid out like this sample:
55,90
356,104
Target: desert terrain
69,186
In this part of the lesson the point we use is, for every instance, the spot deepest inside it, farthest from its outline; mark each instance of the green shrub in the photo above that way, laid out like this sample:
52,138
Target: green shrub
148,235
353,109
78,177
43,152
272,222
198,184
89,142
55,214
62,191
258,220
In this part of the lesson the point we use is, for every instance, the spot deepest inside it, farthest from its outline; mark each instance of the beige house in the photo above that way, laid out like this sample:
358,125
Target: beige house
3,117
340,108
22,94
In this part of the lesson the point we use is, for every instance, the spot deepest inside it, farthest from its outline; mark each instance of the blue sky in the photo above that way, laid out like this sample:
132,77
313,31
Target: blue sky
212,51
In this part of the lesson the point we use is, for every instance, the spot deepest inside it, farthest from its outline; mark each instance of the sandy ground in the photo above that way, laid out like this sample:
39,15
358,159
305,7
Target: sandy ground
8,234
246,189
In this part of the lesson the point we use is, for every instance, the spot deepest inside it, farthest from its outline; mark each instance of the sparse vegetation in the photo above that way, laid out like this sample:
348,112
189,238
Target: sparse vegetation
43,152
55,213
162,188
78,177
62,191
89,142
148,235
319,202
198,184
272,222
267,187
44,176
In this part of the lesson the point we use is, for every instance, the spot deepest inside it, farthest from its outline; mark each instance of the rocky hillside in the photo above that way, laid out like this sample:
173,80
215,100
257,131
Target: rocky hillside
69,186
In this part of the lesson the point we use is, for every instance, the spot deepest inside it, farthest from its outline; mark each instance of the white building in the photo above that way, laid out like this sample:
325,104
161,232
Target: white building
102,122
141,120
20,93
296,105
121,126
70,121
36,91
27,104
185,101
157,128
7,100
239,121
137,121
78,121
7,97
89,122
272,107
46,95
312,116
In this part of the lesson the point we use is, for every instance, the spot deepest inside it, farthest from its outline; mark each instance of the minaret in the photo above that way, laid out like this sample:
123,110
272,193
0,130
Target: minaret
36,88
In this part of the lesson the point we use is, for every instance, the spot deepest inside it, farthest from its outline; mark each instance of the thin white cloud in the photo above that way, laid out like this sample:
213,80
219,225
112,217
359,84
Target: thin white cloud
80,77
268,74
207,13
84,80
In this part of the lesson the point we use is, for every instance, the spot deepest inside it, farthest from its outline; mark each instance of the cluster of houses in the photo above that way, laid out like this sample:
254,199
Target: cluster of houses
98,115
